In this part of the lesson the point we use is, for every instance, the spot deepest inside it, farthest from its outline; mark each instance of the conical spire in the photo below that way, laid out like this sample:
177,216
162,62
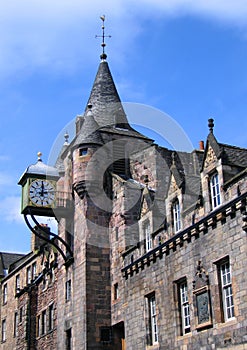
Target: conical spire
89,133
104,99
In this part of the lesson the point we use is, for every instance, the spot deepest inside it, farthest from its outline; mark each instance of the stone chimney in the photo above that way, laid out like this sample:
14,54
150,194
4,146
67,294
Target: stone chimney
37,242
201,145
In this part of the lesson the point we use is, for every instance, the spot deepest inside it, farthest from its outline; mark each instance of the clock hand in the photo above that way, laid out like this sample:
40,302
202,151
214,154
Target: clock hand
42,188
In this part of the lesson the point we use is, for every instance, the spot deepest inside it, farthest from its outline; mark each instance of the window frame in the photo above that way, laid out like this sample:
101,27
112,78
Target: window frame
34,270
215,194
16,322
29,275
152,319
21,314
17,283
115,291
51,317
83,151
68,290
227,300
176,215
147,236
5,293
4,330
184,307
43,322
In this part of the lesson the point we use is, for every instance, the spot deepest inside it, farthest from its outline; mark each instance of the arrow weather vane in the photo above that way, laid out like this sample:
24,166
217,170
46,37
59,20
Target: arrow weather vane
103,56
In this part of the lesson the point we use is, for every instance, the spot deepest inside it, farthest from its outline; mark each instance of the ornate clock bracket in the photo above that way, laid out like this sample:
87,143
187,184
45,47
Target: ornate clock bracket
39,229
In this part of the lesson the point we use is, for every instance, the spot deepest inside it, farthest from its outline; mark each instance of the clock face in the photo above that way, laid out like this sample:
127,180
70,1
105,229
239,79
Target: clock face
42,192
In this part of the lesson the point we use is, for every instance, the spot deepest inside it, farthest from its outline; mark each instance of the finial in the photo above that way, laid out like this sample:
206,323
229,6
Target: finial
66,137
39,154
211,124
103,56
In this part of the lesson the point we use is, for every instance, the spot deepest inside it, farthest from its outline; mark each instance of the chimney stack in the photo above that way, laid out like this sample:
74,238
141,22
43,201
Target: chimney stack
201,145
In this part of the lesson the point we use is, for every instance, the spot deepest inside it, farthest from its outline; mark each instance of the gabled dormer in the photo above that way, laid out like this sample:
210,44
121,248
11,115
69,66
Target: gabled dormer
212,172
174,198
184,191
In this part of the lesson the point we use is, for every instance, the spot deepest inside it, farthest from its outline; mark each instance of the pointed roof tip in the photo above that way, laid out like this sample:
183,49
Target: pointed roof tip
105,101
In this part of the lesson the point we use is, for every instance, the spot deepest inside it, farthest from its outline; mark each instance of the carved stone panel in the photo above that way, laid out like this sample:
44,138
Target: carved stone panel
210,158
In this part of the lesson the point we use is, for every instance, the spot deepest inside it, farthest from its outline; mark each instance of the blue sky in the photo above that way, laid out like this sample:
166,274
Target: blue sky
185,58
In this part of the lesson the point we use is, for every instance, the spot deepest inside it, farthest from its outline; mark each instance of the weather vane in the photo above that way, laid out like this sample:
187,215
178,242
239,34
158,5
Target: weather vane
103,56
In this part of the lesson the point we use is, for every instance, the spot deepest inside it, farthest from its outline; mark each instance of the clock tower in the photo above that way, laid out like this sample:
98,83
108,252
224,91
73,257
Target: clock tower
39,189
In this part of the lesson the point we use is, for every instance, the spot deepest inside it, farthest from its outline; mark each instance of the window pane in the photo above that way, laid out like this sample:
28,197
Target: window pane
227,295
153,320
176,216
215,190
148,237
184,307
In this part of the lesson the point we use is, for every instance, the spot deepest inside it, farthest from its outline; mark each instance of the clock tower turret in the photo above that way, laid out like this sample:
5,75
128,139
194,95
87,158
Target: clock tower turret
39,188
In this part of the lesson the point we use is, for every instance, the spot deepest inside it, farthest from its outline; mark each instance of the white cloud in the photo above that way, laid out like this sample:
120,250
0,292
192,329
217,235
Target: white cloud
10,209
60,34
233,11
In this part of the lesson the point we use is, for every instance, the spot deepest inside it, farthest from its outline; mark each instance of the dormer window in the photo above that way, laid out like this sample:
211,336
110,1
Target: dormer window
176,212
147,236
215,190
83,151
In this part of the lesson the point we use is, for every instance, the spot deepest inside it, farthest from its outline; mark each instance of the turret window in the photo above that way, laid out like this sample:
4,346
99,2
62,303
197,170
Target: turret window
215,190
83,152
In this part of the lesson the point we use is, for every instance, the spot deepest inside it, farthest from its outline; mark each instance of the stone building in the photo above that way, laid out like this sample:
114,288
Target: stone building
152,243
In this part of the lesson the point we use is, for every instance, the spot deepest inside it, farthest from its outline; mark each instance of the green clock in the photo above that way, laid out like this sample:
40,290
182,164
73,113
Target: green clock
42,192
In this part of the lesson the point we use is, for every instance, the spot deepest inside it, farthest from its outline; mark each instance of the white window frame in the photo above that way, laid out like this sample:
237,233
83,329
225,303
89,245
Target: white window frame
227,294
4,329
148,236
153,320
5,294
215,190
17,283
184,307
176,212
39,325
29,275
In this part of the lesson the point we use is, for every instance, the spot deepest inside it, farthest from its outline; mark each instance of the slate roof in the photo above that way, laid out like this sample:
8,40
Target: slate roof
8,259
104,99
89,132
233,155
39,168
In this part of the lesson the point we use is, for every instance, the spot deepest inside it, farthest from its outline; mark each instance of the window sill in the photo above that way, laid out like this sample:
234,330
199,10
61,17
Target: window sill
184,336
155,346
231,322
